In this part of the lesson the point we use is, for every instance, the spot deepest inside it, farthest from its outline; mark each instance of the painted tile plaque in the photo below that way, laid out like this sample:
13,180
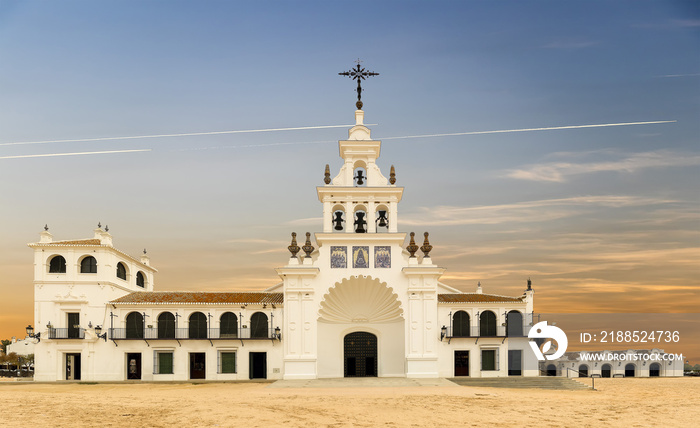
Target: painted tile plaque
382,257
360,257
339,257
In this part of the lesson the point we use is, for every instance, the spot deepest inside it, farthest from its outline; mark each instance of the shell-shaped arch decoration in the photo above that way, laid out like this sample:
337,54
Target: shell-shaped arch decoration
360,299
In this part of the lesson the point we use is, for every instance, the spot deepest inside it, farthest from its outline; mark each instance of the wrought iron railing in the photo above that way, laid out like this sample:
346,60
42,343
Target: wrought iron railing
187,334
66,333
487,331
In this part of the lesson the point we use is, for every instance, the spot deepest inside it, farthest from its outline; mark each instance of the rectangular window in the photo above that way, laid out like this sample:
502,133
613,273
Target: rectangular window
163,362
488,359
227,362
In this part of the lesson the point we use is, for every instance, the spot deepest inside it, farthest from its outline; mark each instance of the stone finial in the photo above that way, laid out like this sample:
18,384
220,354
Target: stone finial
144,251
308,248
46,227
412,247
426,247
99,225
478,288
106,228
392,175
529,284
294,248
327,175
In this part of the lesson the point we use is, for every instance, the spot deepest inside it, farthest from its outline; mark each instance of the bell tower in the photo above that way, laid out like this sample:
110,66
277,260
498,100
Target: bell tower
360,199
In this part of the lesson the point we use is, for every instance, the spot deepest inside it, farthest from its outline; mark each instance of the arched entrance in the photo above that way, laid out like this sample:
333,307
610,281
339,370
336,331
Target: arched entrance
360,355
654,370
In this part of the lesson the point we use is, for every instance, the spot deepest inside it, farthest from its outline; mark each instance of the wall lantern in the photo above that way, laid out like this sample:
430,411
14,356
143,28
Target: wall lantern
443,332
98,330
30,333
278,335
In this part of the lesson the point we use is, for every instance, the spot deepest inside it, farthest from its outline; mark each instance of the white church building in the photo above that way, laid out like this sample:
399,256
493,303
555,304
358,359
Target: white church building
360,298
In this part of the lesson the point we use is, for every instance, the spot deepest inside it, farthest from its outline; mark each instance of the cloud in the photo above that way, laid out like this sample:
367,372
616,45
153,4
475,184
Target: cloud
560,171
312,221
521,212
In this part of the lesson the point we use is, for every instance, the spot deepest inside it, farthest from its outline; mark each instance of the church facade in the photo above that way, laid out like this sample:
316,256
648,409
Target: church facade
362,299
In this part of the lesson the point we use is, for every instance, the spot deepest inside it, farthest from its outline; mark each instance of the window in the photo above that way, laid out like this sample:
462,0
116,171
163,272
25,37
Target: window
57,265
166,326
487,324
163,362
140,279
583,370
227,362
121,271
460,324
514,324
198,326
258,326
134,325
228,325
489,359
88,265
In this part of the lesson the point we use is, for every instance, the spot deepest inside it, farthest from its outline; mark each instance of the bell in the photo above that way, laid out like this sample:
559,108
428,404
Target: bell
360,178
360,223
338,220
382,220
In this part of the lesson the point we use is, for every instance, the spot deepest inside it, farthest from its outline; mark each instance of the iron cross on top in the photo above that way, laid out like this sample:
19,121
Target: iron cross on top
358,73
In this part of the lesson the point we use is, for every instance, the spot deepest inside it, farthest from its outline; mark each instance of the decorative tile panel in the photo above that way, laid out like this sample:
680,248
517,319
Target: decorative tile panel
382,257
360,257
339,257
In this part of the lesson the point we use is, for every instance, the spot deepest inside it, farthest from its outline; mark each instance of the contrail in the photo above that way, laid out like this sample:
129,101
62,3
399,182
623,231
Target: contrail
74,154
532,129
134,137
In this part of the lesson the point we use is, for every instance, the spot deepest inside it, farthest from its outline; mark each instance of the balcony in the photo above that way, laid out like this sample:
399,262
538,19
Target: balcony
453,332
67,333
191,334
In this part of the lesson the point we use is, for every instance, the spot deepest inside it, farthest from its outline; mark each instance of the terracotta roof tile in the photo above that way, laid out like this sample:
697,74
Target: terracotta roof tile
75,242
189,297
476,298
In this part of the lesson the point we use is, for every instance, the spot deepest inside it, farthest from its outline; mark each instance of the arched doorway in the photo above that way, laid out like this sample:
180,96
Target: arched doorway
629,370
655,370
551,370
360,354
606,370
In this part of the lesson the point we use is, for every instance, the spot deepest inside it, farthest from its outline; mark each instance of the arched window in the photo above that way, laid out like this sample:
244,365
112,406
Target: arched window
140,279
198,326
514,324
57,265
382,219
583,370
166,326
121,271
360,223
88,265
228,325
606,370
134,325
487,324
629,370
258,326
655,370
460,324
551,370
338,218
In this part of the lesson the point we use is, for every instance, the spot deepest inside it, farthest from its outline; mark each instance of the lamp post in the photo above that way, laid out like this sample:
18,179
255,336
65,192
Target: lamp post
30,333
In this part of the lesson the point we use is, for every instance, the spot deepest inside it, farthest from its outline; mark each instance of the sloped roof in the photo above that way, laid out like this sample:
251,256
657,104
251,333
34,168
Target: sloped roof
198,297
476,298
74,242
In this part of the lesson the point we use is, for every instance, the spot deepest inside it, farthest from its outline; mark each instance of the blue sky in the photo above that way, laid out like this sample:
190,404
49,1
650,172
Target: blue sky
588,211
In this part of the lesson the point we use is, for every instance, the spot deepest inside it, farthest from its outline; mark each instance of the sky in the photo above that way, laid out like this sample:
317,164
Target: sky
603,219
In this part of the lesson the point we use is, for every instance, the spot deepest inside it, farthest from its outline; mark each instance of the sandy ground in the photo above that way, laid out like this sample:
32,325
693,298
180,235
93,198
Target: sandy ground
668,402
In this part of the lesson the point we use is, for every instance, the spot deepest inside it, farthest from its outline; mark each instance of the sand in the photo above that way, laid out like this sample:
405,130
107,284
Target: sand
669,402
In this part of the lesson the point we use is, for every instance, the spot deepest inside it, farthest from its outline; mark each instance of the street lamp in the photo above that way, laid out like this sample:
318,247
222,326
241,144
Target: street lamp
98,330
30,333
